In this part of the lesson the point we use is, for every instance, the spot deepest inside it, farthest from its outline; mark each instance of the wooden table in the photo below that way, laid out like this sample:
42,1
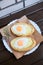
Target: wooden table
34,13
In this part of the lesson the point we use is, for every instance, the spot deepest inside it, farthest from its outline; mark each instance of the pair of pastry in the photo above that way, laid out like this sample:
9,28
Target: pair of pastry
23,41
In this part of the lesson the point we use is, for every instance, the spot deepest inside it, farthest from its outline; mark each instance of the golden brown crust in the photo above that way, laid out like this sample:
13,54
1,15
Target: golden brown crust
22,35
33,29
24,49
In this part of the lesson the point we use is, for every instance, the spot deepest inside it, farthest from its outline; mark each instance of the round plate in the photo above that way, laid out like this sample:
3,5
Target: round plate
33,49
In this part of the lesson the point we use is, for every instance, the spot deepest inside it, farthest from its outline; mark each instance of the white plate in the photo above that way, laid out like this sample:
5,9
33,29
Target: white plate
32,50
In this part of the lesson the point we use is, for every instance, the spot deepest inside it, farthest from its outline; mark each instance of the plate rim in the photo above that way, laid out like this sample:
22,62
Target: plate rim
32,50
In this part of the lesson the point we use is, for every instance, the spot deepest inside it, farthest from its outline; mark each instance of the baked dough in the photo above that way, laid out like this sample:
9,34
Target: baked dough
22,29
22,44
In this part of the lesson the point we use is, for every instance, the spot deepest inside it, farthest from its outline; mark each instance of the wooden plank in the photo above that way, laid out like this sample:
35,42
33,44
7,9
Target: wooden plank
5,56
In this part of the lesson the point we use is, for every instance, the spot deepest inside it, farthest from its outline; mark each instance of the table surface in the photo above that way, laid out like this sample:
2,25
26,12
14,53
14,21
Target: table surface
34,13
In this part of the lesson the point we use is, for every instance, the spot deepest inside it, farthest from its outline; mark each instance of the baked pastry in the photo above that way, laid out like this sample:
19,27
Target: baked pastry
22,43
22,29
